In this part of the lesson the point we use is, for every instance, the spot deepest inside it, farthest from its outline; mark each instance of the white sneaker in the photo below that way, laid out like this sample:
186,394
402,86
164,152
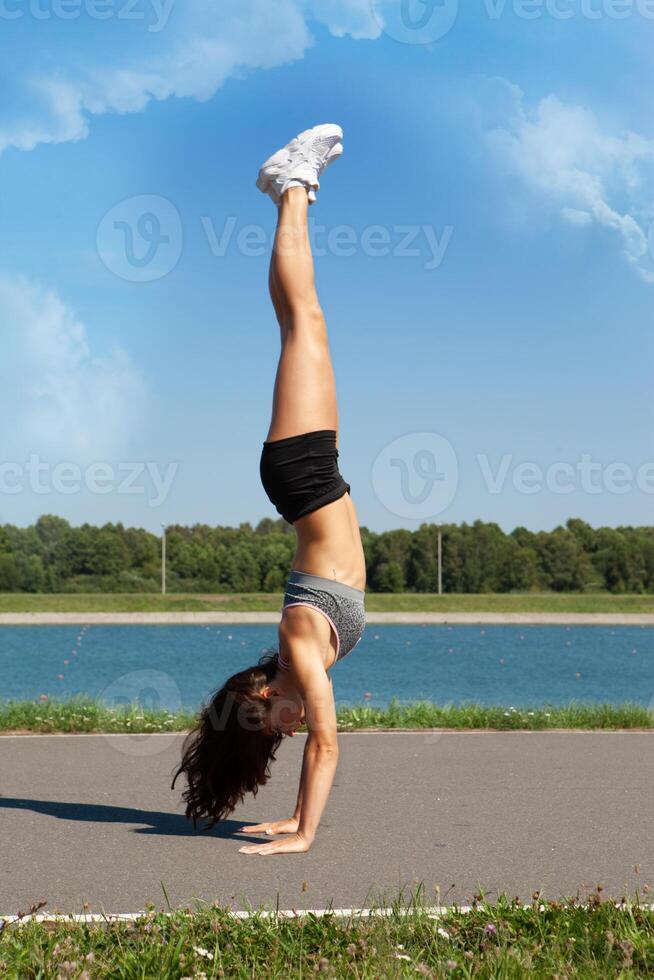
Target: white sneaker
301,162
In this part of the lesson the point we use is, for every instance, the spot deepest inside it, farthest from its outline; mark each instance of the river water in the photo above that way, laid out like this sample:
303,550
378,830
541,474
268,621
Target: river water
179,666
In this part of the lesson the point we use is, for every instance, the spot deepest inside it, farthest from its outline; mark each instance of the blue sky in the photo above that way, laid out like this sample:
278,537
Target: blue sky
484,263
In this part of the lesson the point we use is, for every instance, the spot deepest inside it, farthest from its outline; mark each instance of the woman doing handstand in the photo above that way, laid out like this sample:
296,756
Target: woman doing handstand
323,617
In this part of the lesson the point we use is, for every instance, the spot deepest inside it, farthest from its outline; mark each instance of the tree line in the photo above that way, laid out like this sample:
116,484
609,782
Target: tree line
53,556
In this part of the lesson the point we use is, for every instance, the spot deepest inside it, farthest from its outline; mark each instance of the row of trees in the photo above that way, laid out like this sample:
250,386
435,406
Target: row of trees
52,556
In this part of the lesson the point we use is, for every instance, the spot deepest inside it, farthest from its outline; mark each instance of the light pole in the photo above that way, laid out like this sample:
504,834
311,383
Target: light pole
163,559
440,562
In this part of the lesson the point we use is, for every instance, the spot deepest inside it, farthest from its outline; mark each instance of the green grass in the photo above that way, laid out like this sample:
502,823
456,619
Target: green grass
375,602
503,939
91,715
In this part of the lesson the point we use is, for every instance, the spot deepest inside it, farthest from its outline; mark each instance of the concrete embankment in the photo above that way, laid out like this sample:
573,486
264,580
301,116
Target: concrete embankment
406,618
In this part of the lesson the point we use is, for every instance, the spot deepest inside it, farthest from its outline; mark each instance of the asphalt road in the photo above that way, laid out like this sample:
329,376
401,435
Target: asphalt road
91,818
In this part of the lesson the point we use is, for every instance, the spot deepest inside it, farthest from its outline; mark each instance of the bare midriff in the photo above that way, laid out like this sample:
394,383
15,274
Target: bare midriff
329,544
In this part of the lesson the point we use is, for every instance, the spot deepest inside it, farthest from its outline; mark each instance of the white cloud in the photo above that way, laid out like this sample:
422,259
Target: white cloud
59,395
56,116
561,153
353,17
575,217
182,48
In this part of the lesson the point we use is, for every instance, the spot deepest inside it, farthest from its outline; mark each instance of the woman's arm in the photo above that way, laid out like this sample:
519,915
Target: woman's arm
297,812
320,764
320,757
291,824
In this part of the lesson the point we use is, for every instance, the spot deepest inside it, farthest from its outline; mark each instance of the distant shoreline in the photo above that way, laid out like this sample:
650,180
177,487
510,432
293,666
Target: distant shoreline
372,618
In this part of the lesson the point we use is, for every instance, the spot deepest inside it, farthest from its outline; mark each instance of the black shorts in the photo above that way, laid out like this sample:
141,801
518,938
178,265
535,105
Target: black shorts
300,473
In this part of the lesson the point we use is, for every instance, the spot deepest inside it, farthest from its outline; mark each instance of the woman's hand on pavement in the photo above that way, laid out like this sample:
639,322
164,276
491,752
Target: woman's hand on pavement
293,844
289,826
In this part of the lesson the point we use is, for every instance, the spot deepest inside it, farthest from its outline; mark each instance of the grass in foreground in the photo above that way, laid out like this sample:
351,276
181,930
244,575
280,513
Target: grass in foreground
505,939
375,602
91,715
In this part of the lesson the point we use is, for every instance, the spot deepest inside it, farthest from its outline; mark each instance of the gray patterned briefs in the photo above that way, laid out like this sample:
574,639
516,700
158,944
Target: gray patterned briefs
342,604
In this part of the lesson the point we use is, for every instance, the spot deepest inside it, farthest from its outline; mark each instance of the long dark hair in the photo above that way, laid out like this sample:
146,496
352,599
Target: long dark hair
229,751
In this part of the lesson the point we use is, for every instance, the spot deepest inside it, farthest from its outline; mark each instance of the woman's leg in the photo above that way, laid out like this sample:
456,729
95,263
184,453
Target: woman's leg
304,397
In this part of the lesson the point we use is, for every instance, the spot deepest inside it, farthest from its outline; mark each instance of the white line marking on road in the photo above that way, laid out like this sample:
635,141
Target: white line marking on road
436,911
